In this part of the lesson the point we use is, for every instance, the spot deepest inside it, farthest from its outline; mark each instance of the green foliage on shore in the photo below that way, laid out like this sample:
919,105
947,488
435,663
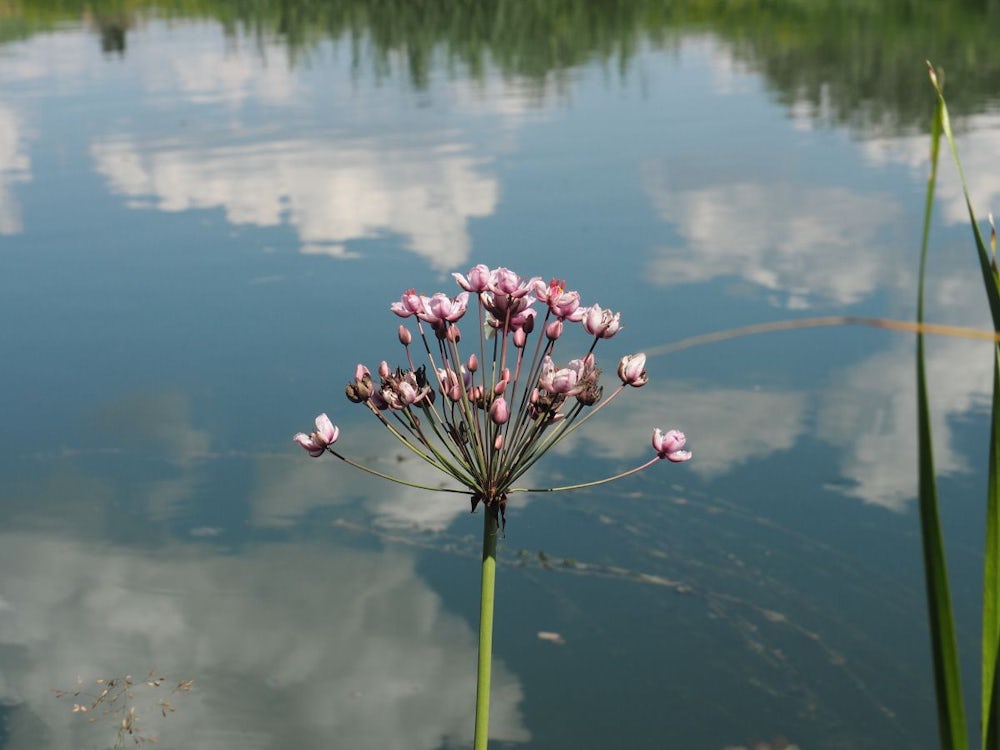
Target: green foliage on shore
850,60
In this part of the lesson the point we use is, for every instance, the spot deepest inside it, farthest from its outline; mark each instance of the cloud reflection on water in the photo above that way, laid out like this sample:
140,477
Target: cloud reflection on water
15,168
801,245
290,645
331,193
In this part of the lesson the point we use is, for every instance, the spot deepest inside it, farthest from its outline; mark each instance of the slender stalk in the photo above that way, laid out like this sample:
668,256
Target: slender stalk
391,478
487,586
596,482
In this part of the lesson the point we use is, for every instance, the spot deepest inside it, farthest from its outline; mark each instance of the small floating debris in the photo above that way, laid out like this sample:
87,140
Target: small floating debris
545,635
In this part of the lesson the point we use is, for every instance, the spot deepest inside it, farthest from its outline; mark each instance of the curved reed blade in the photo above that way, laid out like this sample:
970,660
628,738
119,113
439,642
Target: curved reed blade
947,678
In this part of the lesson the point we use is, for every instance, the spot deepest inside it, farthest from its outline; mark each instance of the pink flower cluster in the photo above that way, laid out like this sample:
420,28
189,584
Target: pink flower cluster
507,403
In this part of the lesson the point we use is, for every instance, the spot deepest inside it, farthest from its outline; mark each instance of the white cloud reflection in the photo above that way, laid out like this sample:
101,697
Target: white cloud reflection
15,168
208,74
290,646
978,140
802,245
869,414
329,193
420,182
865,412
726,427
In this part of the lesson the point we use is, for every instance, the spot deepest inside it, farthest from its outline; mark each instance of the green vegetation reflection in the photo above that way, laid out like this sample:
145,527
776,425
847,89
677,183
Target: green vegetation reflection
849,61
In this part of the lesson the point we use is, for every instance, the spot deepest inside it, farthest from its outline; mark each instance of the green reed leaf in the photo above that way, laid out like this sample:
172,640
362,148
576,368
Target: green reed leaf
991,579
990,695
947,678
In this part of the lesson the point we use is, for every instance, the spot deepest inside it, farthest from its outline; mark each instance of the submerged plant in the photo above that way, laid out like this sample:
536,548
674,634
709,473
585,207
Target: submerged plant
484,418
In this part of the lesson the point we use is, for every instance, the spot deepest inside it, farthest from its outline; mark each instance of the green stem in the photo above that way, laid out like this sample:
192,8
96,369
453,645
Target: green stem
490,530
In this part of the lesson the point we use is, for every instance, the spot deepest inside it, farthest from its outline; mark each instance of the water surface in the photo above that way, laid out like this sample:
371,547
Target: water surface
204,215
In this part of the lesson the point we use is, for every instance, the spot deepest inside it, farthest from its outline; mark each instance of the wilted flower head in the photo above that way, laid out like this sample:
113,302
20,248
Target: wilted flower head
498,416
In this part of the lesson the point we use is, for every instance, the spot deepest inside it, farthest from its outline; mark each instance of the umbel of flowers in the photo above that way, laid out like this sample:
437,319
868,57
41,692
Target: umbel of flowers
485,414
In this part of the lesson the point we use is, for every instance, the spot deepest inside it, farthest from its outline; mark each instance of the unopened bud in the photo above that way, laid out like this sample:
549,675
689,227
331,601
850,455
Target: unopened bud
499,411
405,337
383,370
473,363
498,443
554,330
520,338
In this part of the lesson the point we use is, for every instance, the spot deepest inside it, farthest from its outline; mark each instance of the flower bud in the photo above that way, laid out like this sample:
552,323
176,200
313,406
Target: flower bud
383,370
520,338
405,337
499,411
498,443
500,387
554,330
473,363
453,334
632,370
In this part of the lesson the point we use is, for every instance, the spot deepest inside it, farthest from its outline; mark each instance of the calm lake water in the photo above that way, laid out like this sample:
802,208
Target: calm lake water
205,211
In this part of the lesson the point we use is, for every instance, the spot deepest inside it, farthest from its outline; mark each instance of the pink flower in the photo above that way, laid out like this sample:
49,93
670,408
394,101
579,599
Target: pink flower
563,304
441,308
326,434
409,304
508,313
499,411
669,445
524,320
632,370
478,281
505,282
564,380
601,323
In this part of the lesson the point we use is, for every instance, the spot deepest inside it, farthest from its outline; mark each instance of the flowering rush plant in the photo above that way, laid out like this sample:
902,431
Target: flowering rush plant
485,418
